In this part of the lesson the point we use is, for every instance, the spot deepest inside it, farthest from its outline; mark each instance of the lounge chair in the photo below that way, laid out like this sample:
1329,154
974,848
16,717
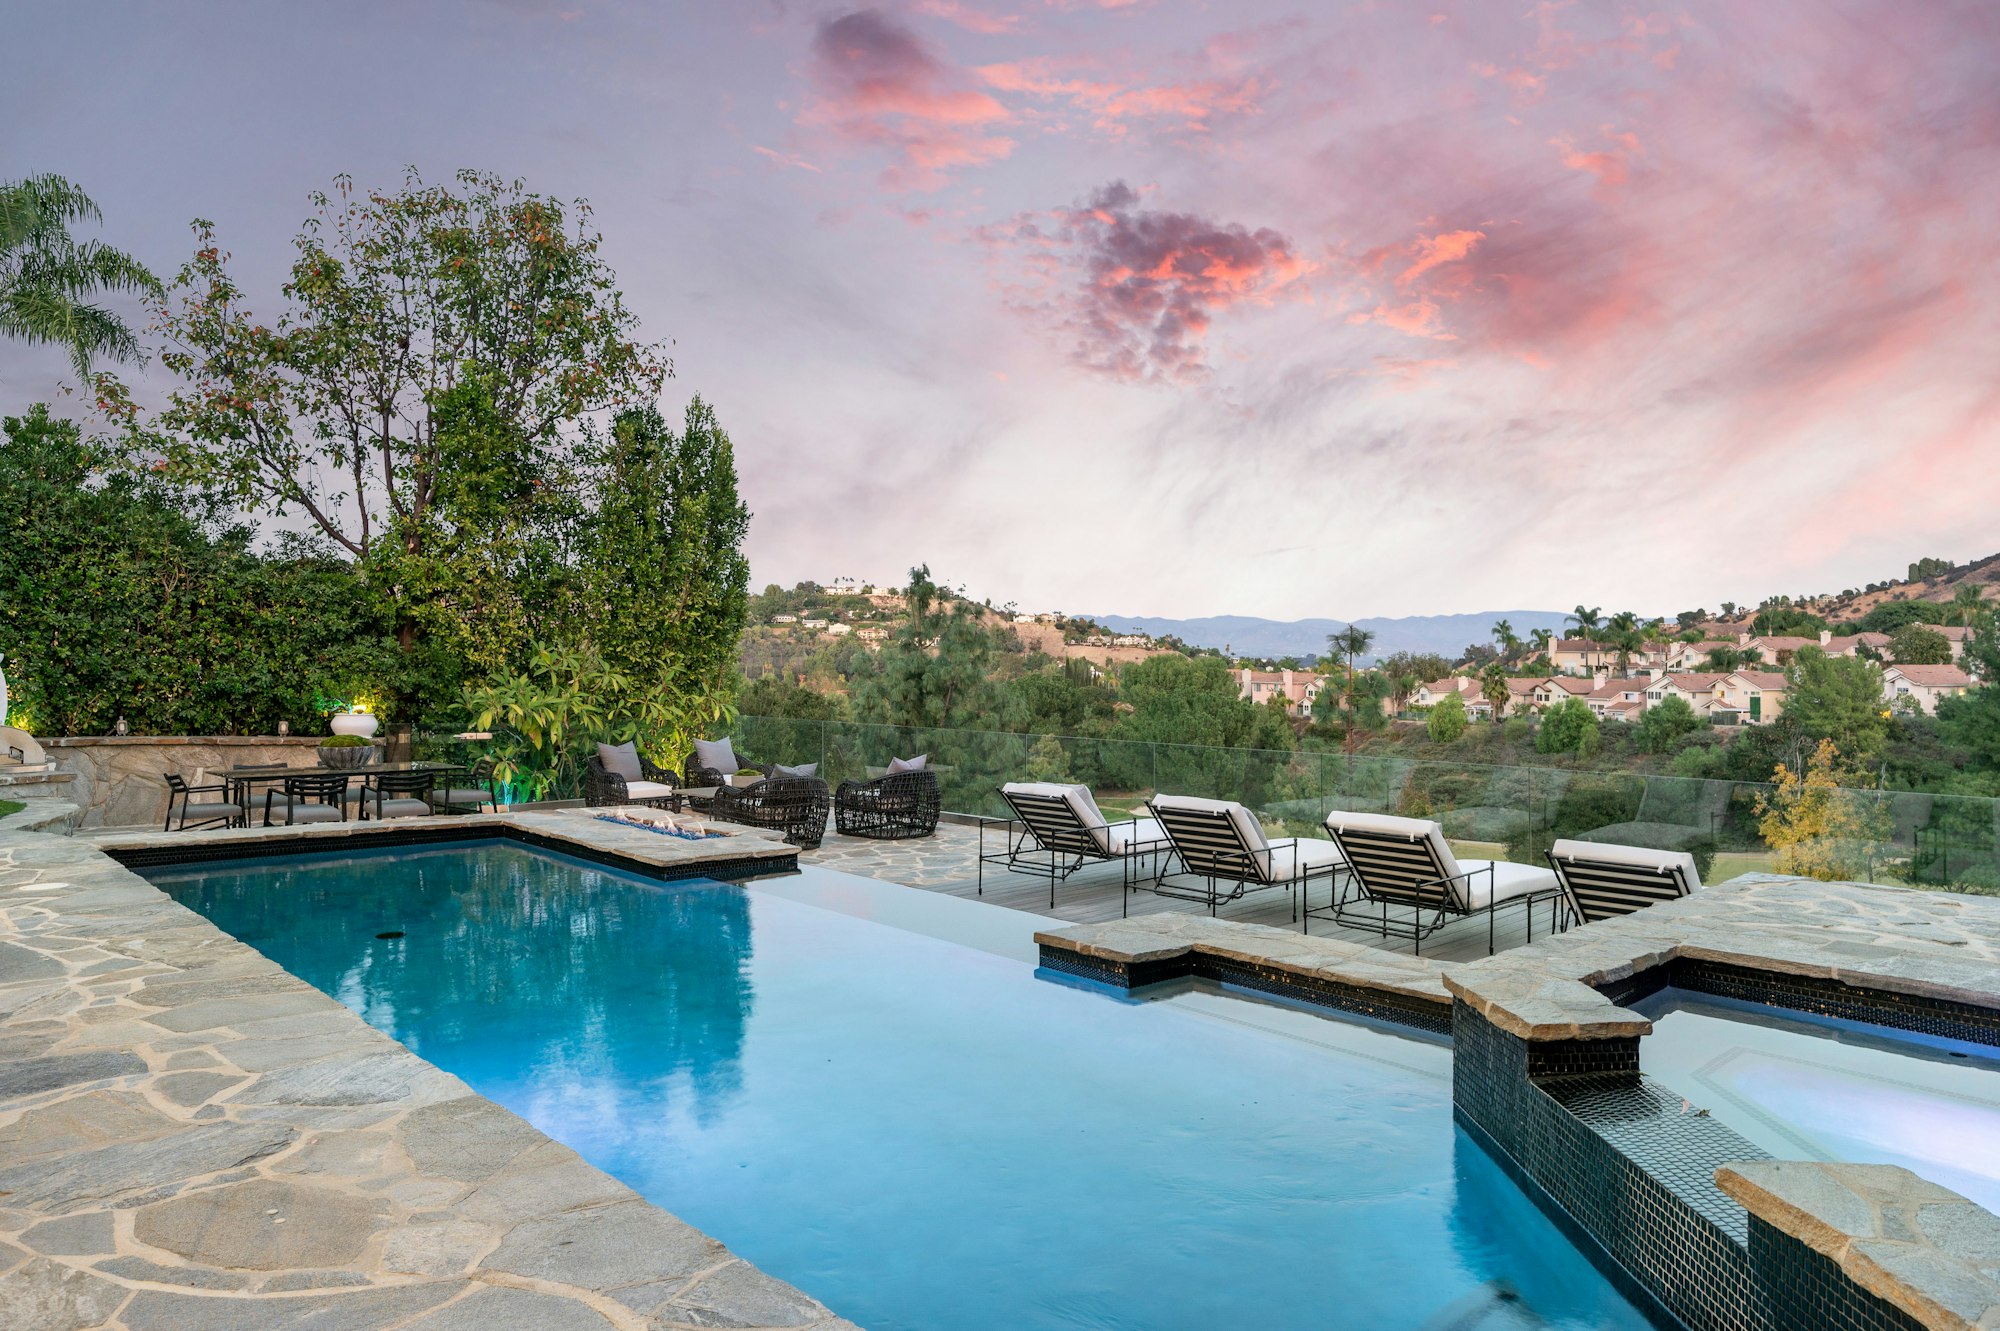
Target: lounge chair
620,774
310,797
1406,862
895,807
1058,828
1221,841
1600,881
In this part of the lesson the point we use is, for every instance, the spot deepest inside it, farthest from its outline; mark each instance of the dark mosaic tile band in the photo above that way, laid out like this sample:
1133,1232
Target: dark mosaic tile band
1621,1160
1807,1291
731,870
1832,998
1320,992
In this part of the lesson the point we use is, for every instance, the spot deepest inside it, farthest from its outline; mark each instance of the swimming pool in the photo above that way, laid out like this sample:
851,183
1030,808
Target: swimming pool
1821,1088
905,1121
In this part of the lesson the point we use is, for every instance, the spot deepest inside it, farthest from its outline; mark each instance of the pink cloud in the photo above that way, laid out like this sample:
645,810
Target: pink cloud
875,84
1152,282
969,17
1114,103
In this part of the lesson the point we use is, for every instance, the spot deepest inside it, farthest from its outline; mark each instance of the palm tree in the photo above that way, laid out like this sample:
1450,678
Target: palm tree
1349,642
47,275
1493,688
1510,642
1965,604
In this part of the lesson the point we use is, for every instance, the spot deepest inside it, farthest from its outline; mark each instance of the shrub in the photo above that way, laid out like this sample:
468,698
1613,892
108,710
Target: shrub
1447,720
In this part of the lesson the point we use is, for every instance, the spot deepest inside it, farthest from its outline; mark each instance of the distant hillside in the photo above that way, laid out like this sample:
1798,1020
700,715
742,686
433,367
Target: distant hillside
1245,635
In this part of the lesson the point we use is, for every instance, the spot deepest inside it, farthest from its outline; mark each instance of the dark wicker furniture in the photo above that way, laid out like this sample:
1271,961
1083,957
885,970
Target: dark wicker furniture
891,808
601,786
797,805
200,812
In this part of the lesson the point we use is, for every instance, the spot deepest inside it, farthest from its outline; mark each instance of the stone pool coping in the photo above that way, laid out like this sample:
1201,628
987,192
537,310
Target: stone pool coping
1923,1249
745,852
191,1137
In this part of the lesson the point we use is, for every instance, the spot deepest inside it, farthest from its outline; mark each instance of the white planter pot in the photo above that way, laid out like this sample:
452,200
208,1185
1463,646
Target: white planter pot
364,724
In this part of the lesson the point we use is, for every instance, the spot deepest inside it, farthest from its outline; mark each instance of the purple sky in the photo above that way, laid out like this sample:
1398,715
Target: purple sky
1284,309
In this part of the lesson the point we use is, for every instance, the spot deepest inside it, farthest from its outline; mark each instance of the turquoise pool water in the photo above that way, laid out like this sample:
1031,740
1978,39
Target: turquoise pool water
921,1133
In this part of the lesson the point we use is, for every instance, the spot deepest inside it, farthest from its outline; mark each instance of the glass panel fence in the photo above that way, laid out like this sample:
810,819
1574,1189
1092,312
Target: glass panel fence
1514,813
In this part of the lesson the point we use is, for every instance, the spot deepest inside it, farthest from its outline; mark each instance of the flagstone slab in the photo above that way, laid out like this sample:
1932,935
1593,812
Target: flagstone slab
193,1140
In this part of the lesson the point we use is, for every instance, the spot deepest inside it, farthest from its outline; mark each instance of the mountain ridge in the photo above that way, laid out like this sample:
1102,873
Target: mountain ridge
1250,635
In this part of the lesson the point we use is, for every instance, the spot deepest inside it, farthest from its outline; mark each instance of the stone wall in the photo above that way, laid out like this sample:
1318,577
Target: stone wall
120,780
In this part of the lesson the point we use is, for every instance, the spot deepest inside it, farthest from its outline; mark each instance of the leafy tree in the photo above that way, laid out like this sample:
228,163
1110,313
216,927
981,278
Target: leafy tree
1837,698
1447,721
1818,827
1063,699
1663,724
335,409
1917,644
1568,727
1892,615
47,276
774,696
115,600
938,669
664,573
1929,567
1971,721
1787,621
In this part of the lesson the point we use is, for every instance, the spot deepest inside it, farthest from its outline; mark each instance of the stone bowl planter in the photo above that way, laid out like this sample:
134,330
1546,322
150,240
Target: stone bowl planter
345,757
363,724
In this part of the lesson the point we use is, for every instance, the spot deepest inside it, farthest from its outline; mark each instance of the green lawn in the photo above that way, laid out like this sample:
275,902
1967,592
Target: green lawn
10,806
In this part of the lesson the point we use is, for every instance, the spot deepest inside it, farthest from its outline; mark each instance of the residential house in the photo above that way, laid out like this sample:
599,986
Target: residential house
1575,656
1921,686
1696,690
1756,696
1297,687
1619,699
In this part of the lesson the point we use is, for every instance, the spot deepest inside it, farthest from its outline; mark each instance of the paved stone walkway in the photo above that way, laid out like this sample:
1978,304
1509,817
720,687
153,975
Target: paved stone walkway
193,1140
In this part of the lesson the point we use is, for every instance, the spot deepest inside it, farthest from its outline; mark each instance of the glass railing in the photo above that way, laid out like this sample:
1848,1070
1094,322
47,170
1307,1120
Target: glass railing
1514,813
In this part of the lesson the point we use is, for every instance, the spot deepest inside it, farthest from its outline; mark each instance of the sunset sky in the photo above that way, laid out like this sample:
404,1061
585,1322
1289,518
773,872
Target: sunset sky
1153,308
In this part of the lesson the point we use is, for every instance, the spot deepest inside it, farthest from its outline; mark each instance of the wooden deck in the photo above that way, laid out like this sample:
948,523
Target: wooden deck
949,863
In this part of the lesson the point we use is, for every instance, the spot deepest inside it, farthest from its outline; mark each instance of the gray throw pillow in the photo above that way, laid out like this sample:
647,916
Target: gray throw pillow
620,760
718,754
915,764
803,769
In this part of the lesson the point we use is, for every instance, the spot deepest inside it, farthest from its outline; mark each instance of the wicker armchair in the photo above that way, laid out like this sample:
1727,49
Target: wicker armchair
695,775
661,787
795,804
890,808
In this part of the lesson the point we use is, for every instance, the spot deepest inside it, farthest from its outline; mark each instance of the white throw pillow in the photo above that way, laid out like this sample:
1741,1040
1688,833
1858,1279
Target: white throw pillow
718,754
